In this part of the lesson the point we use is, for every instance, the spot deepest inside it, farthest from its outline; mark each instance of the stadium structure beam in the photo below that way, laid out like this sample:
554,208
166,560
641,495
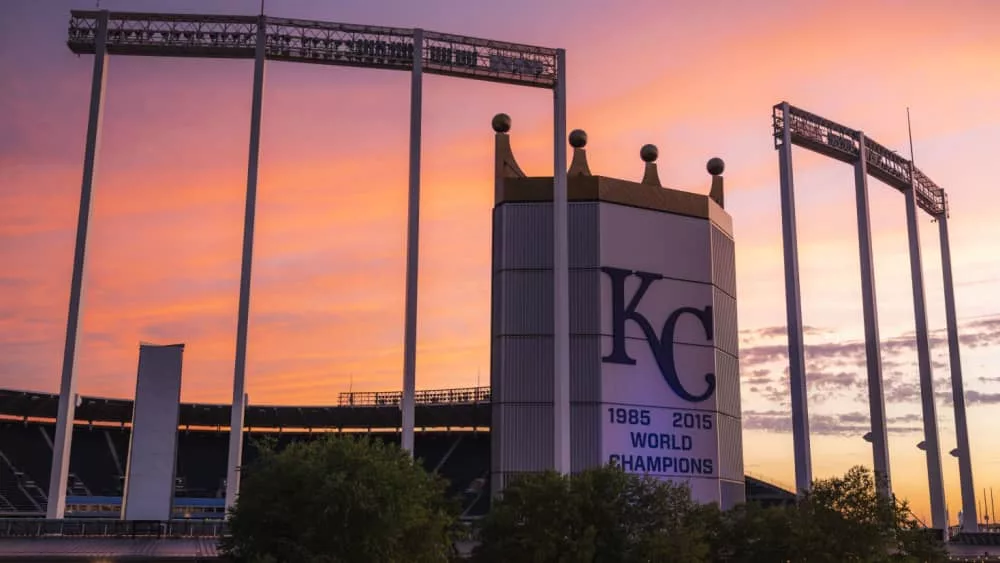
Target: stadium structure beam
793,310
792,125
873,352
263,38
970,522
932,446
560,274
59,473
243,318
412,246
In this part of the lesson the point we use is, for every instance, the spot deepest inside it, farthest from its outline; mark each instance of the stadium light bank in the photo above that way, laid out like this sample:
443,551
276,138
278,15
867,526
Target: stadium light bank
262,38
794,126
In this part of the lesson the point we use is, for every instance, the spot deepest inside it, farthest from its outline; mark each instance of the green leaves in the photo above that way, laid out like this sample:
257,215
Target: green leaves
340,500
840,519
605,515
344,500
600,515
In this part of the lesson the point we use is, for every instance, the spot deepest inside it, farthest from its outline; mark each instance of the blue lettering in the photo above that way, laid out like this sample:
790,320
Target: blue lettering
638,439
662,345
652,464
660,441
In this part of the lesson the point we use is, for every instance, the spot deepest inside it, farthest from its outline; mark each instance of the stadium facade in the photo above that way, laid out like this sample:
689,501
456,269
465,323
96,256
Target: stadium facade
453,439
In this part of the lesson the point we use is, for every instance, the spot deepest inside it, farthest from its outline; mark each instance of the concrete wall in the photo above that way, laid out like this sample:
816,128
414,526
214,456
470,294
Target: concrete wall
152,455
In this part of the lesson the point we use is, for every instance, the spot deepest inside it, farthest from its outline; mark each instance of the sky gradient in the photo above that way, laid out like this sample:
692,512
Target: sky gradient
327,303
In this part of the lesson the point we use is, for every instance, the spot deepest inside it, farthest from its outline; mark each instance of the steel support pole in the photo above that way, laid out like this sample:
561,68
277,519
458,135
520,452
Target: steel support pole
412,246
873,352
970,522
239,375
59,473
560,274
793,309
939,516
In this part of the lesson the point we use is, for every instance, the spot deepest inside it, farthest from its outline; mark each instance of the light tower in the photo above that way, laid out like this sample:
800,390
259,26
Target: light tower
794,126
261,38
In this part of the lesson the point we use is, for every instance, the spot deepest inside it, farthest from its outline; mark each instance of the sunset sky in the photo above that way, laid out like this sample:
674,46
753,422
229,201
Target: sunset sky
696,79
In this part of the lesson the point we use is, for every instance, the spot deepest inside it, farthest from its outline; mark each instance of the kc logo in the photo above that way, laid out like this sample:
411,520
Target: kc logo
662,345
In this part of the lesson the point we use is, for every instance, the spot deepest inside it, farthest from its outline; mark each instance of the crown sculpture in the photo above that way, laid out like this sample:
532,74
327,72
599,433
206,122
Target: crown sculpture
654,369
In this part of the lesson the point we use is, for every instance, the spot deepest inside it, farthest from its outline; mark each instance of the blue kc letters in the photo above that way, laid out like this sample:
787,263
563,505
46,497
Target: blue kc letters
662,345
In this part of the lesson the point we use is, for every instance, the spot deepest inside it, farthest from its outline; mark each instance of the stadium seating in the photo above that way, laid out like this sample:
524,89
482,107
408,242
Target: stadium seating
12,498
461,458
201,463
93,462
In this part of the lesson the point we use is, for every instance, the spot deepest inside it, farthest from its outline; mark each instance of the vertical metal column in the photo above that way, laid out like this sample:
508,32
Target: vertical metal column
412,246
67,388
970,522
239,376
560,274
793,309
939,517
873,353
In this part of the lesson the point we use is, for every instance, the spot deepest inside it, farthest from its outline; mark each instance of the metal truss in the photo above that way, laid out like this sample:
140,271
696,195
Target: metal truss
842,143
304,41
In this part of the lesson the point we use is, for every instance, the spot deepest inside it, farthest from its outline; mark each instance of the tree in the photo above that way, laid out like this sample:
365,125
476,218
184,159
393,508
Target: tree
840,519
599,515
860,524
749,533
340,499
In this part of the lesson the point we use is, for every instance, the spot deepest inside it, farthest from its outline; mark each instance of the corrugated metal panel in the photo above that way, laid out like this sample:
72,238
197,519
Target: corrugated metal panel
730,431
726,332
522,369
723,262
585,428
526,450
585,369
522,361
526,444
730,448
524,366
733,493
526,233
497,240
497,437
496,302
584,235
727,381
523,302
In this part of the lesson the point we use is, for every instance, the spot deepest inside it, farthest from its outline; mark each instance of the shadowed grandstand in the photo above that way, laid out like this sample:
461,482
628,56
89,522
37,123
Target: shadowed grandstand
453,441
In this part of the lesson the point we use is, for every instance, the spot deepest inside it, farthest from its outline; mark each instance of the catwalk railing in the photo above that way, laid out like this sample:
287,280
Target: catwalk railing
843,143
110,528
317,42
465,395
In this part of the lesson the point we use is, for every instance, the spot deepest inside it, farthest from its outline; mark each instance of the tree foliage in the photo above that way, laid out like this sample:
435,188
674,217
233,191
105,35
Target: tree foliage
607,515
840,519
344,500
599,515
340,499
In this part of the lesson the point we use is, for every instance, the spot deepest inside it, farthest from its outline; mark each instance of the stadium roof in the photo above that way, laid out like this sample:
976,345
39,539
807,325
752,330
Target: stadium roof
447,408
